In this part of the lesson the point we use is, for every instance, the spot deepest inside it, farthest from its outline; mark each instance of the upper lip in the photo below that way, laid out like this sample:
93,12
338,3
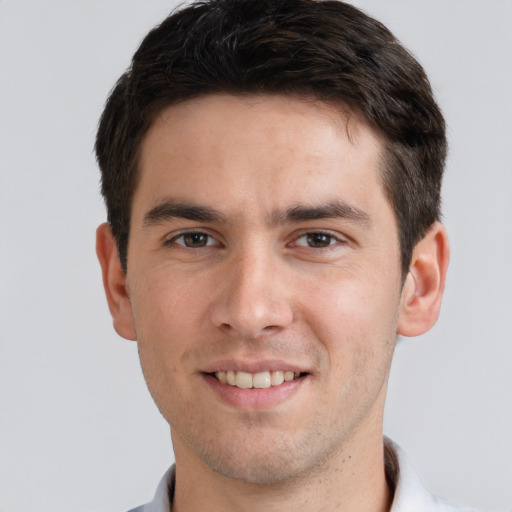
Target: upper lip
253,366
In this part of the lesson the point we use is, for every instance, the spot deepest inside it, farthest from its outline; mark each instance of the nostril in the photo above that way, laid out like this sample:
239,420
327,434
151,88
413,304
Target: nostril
250,317
271,328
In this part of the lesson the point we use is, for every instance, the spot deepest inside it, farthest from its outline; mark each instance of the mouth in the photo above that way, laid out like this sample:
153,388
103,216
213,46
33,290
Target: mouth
256,386
259,380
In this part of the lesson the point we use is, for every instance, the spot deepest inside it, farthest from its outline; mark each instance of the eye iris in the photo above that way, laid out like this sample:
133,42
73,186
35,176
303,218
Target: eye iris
318,240
195,239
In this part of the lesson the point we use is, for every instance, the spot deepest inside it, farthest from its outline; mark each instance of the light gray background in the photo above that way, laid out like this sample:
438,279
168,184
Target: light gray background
78,430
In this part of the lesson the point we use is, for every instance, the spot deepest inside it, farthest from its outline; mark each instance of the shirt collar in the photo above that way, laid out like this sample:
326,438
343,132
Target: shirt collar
409,493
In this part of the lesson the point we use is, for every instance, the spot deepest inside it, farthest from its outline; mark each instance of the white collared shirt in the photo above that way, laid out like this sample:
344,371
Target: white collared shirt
409,496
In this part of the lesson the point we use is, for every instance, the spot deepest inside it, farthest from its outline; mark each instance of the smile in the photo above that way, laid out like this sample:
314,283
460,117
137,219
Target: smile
260,380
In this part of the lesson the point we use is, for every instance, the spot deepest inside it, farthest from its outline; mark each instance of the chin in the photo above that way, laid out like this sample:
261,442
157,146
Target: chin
269,462
257,472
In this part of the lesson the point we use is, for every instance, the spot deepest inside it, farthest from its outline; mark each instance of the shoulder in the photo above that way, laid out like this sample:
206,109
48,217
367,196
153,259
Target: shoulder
163,495
409,491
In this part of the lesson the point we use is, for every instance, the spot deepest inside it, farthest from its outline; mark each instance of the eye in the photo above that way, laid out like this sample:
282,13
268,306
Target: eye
193,240
316,240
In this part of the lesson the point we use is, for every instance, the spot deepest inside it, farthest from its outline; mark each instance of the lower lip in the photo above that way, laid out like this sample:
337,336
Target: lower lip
255,398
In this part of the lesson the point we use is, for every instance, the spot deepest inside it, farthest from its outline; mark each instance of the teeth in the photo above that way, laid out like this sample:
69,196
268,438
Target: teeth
288,376
276,378
243,380
259,380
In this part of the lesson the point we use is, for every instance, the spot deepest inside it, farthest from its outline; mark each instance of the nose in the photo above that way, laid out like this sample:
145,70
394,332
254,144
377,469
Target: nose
253,299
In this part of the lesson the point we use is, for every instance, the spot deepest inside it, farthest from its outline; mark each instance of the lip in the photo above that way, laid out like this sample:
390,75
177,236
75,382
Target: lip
255,399
253,366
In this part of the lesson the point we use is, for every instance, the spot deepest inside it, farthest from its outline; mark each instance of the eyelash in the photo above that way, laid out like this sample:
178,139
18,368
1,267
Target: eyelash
333,240
174,239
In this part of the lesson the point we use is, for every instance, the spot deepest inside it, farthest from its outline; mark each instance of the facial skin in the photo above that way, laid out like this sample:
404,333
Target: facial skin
288,260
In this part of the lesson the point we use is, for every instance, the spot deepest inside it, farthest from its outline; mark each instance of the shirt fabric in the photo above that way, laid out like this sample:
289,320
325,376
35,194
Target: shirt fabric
409,493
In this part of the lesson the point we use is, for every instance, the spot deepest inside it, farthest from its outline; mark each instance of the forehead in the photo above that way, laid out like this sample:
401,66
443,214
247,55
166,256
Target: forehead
292,114
271,150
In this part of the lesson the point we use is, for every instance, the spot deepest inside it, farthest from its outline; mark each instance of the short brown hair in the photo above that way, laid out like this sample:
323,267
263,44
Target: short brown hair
326,50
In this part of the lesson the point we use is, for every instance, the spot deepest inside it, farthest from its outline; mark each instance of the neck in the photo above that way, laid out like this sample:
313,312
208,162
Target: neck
351,480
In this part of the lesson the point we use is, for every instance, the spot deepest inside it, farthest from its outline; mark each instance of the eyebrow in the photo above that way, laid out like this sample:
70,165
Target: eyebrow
171,209
337,209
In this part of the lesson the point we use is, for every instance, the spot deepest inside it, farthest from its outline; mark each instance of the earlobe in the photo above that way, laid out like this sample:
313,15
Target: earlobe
424,284
114,283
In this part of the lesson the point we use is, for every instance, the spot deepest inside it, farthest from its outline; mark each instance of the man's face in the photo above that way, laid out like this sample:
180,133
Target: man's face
262,243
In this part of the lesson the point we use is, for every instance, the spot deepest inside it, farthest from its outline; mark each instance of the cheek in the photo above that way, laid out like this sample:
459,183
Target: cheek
166,320
168,315
165,306
354,318
357,328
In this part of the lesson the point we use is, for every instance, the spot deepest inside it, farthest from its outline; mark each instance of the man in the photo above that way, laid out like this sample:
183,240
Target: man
272,176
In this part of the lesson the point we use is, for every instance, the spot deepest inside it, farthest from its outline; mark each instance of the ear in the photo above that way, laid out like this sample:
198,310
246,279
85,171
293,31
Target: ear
114,282
424,284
